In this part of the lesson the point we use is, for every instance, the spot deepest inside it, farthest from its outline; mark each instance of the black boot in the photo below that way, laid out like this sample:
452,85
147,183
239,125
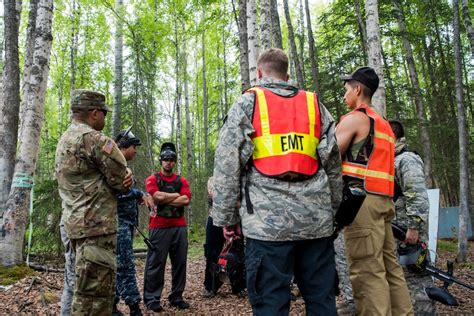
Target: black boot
115,311
135,310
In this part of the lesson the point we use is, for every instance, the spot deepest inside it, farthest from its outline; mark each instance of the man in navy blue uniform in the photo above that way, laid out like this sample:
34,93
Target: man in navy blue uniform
127,210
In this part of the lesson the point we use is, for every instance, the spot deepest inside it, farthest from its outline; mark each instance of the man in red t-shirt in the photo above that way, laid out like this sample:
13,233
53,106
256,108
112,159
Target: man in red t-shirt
168,232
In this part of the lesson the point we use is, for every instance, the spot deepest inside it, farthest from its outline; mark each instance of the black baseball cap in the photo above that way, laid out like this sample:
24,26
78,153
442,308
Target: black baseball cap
364,75
126,139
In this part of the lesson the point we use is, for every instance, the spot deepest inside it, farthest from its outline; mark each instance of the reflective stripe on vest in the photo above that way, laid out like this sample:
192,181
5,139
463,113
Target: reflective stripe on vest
287,131
378,174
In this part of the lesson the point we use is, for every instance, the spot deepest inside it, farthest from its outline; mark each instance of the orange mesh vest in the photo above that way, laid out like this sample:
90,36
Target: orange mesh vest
378,173
287,131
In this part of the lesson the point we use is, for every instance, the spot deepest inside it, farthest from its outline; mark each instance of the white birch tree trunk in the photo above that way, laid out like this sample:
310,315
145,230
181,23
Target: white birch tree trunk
252,30
10,107
118,70
463,143
189,130
16,216
375,53
205,112
265,24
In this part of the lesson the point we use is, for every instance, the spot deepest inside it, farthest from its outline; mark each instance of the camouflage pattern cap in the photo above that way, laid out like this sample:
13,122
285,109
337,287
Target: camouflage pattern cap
88,99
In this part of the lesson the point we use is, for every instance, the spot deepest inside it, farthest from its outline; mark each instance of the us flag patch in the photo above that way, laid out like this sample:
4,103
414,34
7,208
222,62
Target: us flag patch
109,145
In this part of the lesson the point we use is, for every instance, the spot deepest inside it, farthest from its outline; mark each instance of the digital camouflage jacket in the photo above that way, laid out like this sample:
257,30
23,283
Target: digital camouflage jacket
283,210
412,206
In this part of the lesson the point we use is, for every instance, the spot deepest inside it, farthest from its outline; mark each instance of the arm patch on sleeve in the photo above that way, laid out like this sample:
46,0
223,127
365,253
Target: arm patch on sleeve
107,148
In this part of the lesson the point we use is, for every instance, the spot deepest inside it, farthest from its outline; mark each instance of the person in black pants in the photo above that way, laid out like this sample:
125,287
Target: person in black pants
212,248
167,232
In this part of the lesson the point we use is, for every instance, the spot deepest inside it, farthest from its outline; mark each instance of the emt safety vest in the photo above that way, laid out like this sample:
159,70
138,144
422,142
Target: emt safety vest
378,174
287,132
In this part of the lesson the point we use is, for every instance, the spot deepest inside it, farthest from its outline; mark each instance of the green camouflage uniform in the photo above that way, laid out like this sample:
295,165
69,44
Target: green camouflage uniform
90,170
284,211
412,212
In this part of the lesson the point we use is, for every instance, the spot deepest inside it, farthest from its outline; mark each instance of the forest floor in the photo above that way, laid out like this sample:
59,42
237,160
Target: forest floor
40,293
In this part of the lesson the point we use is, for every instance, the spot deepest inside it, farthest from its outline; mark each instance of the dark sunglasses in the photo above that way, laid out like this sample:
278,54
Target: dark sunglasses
169,160
101,110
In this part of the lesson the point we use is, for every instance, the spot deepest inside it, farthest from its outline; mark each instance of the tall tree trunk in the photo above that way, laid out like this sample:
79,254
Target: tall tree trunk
189,132
252,38
15,220
446,78
294,53
118,70
205,114
463,149
265,24
393,95
243,44
74,37
30,44
362,30
374,52
226,79
10,107
276,29
468,24
313,54
420,107
177,107
300,35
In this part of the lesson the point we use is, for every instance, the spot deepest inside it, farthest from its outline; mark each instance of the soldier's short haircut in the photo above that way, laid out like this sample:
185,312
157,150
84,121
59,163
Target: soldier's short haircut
273,60
397,128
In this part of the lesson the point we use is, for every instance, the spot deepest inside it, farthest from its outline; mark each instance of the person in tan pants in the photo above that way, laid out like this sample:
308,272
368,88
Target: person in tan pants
366,143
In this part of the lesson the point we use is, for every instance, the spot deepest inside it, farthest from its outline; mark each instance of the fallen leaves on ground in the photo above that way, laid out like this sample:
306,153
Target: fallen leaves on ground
40,294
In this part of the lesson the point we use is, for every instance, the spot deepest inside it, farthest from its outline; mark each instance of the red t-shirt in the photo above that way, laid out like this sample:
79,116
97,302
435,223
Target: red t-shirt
152,186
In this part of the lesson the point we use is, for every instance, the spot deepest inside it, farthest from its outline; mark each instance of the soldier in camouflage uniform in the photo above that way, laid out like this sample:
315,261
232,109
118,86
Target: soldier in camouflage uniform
91,170
69,278
287,222
127,220
347,307
411,212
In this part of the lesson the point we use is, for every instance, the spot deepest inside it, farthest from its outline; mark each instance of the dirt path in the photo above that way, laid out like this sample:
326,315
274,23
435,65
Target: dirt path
40,294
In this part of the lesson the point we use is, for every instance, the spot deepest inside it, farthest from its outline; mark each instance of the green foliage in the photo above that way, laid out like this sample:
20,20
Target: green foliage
196,240
447,245
10,275
157,34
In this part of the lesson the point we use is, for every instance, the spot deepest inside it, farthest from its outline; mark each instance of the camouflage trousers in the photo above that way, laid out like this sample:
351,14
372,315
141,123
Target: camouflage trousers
95,275
127,288
69,276
342,268
417,282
